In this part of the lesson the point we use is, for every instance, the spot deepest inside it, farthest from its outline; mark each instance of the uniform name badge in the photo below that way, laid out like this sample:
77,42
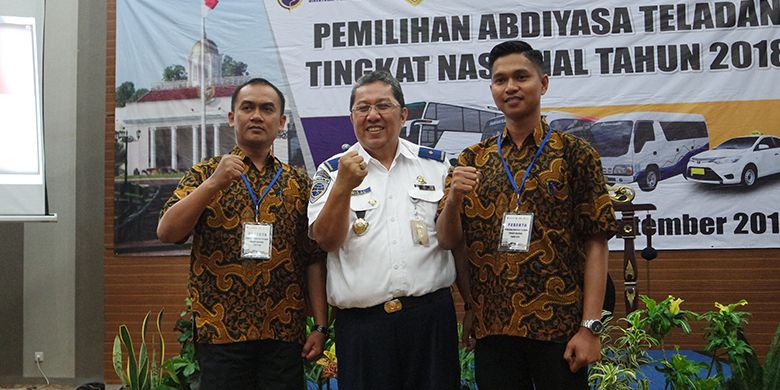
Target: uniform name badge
256,241
419,232
516,232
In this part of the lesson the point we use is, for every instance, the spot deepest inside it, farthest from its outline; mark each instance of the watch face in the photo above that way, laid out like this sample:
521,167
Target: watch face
596,327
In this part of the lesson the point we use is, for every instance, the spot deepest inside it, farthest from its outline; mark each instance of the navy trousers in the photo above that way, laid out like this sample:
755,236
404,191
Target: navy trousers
415,348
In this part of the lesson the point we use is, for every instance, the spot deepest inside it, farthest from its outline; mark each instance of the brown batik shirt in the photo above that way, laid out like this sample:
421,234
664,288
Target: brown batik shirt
238,299
536,294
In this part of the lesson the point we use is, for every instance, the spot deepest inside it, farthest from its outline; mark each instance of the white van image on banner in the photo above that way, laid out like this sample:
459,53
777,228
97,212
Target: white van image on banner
739,160
446,126
575,124
647,147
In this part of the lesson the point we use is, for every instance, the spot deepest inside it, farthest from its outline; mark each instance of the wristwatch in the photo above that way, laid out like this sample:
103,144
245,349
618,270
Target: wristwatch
594,326
320,328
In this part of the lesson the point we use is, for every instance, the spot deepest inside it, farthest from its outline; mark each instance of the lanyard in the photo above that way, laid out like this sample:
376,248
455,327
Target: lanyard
527,170
255,200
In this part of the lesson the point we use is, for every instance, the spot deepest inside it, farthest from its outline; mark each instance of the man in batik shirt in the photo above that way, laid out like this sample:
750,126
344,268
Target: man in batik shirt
252,263
533,210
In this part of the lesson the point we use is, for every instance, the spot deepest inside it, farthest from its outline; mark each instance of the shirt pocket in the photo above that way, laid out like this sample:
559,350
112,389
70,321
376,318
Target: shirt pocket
424,204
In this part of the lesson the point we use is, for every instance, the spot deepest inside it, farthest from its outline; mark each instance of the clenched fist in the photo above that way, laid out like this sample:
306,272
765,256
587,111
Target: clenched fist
464,181
352,170
230,168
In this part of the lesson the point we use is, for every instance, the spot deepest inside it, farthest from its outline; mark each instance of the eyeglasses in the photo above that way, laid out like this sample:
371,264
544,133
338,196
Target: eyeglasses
381,108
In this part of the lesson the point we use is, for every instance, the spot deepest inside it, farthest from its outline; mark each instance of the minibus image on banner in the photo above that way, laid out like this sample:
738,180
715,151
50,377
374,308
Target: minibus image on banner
567,122
647,147
446,126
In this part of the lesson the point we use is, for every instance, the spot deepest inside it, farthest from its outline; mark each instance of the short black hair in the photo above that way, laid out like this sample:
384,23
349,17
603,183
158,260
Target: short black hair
519,47
253,81
381,76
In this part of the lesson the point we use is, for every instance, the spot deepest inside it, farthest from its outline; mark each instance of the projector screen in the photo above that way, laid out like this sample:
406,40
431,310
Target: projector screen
22,180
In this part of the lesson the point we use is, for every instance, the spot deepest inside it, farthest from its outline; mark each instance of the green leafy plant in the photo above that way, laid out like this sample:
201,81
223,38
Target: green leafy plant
140,372
682,373
772,363
659,318
608,375
466,358
726,339
646,328
622,356
182,371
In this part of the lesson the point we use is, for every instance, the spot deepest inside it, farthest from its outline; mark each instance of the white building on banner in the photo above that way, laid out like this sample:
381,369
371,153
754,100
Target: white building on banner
163,129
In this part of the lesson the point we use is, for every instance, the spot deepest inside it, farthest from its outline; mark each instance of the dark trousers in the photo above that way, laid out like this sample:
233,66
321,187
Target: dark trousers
518,363
251,365
412,349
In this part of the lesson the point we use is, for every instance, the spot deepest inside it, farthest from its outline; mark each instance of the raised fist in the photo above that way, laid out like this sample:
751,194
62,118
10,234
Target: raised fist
230,168
352,170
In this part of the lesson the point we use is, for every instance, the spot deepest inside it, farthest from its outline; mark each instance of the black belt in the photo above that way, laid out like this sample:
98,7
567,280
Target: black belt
402,303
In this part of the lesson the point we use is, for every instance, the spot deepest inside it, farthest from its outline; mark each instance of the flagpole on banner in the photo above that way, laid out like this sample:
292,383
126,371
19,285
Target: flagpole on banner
202,76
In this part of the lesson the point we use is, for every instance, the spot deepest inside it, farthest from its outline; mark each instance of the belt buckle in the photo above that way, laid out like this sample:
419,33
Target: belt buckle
393,306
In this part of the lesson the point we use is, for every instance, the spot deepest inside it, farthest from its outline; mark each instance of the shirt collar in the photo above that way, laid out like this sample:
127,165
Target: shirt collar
540,130
407,149
269,161
401,150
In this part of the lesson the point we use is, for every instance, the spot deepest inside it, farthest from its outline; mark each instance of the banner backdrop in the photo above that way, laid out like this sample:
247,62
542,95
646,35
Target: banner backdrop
680,99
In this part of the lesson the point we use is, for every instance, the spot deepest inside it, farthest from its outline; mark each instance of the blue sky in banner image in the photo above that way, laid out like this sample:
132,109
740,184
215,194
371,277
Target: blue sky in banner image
153,34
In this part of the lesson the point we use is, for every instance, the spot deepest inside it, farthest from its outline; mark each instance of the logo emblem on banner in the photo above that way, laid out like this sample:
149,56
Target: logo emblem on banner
414,2
290,4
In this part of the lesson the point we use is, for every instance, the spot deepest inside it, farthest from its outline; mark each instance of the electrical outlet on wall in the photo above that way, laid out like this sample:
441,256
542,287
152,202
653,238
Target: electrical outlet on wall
38,357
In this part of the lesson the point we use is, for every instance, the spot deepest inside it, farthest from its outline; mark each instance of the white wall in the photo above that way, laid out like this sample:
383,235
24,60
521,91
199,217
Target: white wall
49,265
61,265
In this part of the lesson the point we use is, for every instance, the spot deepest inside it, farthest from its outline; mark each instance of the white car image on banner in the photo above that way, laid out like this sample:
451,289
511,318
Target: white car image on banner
740,160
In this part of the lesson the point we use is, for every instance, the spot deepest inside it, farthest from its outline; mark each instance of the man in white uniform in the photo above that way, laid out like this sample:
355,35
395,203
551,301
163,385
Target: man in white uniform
373,208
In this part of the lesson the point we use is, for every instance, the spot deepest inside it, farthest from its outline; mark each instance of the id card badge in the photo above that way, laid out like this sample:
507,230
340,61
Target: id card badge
419,232
256,241
516,232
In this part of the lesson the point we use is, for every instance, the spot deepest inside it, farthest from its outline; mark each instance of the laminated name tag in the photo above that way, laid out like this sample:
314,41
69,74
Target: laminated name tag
516,232
419,232
256,240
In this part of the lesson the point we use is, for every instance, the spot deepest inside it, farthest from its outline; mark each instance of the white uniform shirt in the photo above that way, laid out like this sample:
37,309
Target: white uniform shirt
385,263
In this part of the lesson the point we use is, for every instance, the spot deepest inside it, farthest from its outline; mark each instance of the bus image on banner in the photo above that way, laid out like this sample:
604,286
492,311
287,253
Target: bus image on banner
445,126
578,125
646,147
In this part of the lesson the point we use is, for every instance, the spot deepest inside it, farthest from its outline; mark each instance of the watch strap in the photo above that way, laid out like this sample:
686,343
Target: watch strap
320,328
594,326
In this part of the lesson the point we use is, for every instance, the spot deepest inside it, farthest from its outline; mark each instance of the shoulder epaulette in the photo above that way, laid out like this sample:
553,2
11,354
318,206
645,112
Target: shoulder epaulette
332,164
432,154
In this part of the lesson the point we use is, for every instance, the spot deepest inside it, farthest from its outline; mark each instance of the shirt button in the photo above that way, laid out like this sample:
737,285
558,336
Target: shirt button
392,219
395,266
395,242
389,196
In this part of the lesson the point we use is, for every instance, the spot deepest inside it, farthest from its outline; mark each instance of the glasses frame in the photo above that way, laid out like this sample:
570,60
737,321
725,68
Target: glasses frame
374,107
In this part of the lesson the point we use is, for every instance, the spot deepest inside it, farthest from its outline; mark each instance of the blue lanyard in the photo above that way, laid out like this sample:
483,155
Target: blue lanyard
252,193
527,170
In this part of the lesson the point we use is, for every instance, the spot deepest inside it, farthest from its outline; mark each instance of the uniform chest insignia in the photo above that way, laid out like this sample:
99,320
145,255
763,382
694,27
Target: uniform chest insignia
319,185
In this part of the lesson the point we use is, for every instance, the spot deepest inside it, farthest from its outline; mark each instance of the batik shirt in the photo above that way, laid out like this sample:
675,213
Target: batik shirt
536,294
237,299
